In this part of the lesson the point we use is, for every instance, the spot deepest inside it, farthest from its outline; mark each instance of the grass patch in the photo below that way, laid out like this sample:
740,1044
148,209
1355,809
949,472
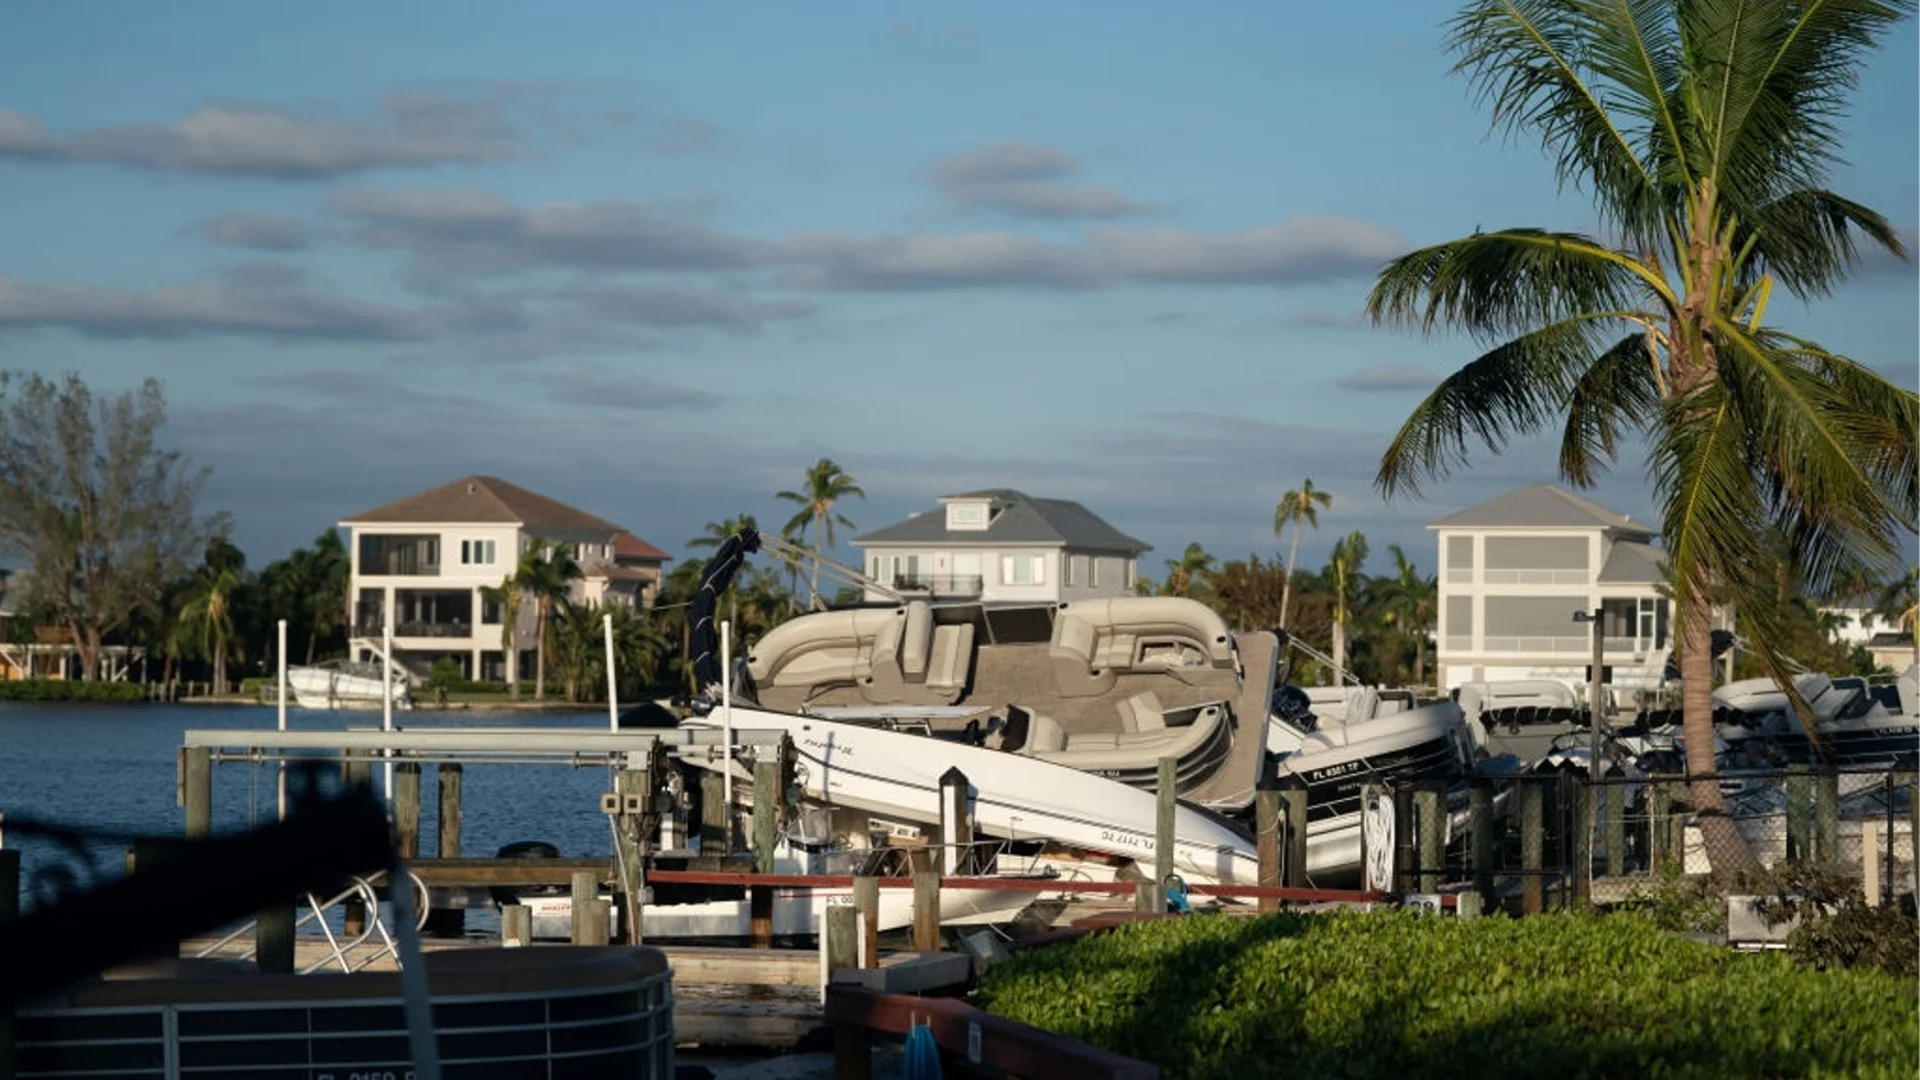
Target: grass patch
1398,995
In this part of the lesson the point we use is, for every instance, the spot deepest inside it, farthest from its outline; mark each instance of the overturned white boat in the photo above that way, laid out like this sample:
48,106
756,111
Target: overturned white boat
346,684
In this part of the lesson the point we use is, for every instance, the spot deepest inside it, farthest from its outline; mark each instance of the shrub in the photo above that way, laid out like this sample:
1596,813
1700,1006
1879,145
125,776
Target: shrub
1678,903
71,690
1837,927
1393,994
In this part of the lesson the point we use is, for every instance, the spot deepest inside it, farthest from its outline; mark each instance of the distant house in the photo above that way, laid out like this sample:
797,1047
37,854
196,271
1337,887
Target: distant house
1515,569
423,565
1000,546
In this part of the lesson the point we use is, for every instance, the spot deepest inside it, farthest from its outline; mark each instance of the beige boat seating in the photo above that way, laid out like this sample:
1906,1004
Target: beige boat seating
893,655
1037,736
1096,641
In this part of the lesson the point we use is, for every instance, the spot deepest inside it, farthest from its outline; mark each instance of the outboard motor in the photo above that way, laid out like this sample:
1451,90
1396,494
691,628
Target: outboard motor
1290,703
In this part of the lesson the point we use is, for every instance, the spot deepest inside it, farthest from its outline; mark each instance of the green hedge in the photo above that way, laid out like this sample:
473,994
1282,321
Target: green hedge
1399,995
70,690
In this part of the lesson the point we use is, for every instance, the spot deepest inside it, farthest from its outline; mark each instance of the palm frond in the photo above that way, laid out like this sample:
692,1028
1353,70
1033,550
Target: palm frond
1809,238
1501,284
1770,82
1618,393
1532,61
1515,389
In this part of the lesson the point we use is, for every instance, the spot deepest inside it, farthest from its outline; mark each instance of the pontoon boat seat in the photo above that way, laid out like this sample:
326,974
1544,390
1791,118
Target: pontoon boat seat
829,648
1104,750
1142,712
1044,736
917,663
1095,641
1363,703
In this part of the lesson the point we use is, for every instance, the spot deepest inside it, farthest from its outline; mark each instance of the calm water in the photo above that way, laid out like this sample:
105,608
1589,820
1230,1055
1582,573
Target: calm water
113,768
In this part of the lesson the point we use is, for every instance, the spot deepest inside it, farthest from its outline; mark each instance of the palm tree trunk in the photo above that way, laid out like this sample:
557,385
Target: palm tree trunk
1420,659
813,583
1286,587
1727,851
1339,648
220,666
313,641
513,653
540,653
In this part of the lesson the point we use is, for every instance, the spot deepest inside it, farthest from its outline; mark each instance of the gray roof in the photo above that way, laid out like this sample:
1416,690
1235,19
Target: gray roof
1020,519
1541,506
1633,563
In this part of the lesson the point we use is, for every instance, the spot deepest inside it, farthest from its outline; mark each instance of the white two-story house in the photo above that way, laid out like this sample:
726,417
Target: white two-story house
424,565
1002,546
1514,571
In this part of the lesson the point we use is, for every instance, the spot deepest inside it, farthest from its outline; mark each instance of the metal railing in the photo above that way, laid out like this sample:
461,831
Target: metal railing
940,584
348,953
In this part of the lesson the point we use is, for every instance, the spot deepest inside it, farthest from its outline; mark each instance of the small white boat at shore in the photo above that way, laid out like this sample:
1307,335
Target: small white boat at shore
345,684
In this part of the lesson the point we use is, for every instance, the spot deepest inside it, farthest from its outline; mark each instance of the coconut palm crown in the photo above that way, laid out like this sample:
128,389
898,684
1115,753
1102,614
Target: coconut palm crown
1704,131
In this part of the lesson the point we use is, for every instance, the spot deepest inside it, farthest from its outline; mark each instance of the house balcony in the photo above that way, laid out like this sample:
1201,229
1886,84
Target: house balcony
939,584
1615,648
371,628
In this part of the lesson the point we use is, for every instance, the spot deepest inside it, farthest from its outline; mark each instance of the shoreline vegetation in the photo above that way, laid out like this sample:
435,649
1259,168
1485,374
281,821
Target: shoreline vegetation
259,692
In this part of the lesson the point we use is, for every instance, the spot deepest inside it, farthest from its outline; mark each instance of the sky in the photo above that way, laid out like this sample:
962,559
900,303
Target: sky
656,259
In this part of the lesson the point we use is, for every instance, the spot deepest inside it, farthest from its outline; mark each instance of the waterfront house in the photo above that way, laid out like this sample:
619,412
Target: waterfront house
423,564
1002,546
1515,569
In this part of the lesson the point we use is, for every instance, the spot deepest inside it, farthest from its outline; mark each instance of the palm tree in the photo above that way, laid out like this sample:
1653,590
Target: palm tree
326,604
546,572
507,594
208,611
1408,604
1188,570
1898,602
1705,134
1343,570
1296,508
826,484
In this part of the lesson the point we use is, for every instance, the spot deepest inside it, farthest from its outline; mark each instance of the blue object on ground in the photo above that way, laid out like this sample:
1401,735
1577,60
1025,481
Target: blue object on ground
1177,901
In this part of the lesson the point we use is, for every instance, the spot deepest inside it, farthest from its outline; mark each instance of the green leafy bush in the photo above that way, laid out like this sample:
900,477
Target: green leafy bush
1399,995
71,690
1679,903
1837,927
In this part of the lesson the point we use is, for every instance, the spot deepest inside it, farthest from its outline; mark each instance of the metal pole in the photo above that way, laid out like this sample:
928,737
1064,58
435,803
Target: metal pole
386,697
726,723
613,682
281,767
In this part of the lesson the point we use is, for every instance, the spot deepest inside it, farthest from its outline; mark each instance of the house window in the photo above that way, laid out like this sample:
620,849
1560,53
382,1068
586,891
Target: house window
1023,570
966,515
1076,569
476,552
883,568
492,611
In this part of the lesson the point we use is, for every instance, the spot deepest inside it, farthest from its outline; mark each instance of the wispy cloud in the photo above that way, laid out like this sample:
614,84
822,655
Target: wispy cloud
1384,378
1027,180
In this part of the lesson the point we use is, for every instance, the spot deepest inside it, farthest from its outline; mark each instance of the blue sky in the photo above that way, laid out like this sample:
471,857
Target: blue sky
654,259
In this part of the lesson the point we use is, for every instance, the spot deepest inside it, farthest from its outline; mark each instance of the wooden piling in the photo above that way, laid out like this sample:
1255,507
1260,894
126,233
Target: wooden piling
866,899
1430,806
1484,840
196,789
406,809
516,925
632,849
589,911
1468,905
1532,846
1267,835
273,940
852,1052
452,776
1293,799
1580,848
1659,813
1826,816
1614,792
956,825
841,927
1800,813
715,814
1149,898
766,793
1165,804
926,912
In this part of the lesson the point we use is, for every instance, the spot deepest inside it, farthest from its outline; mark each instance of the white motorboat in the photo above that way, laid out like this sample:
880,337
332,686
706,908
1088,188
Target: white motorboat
344,684
1513,703
1858,727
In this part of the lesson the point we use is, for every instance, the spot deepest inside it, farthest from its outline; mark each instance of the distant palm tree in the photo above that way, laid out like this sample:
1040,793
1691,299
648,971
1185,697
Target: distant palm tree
1297,508
208,611
1408,603
1706,134
1187,571
1343,570
546,572
326,605
826,484
1899,603
507,594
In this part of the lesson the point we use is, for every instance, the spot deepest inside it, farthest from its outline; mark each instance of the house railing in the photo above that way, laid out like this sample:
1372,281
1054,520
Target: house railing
1535,577
940,584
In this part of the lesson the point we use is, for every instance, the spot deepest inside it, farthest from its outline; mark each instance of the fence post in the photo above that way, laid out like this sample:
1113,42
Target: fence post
1580,850
1164,807
196,789
841,931
1659,809
1614,790
1484,841
1293,797
1266,831
1800,813
926,911
1826,816
1532,850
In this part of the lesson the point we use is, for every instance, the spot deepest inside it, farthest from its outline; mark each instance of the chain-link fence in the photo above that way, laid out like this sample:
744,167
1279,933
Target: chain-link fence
1538,840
